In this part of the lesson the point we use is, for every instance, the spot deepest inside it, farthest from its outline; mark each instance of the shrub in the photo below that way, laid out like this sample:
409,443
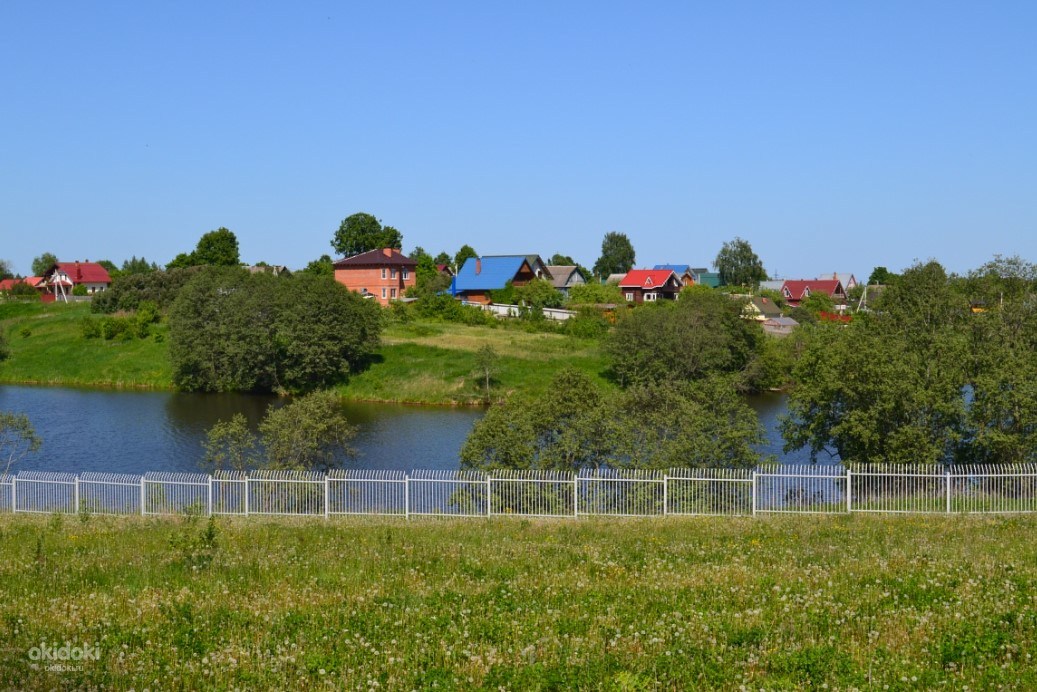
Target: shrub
90,328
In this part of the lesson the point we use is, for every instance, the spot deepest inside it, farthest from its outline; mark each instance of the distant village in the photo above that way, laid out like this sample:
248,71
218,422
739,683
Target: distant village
386,275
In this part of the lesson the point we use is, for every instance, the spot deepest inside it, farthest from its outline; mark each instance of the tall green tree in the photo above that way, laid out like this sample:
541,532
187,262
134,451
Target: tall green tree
5,270
361,232
738,265
617,255
235,331
322,266
881,276
465,253
700,335
138,266
41,264
217,248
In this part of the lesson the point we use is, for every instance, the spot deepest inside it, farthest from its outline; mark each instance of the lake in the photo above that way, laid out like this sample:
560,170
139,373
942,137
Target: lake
134,432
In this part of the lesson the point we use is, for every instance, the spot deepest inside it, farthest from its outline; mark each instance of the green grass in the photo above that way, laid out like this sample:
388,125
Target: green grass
777,602
435,363
47,347
418,362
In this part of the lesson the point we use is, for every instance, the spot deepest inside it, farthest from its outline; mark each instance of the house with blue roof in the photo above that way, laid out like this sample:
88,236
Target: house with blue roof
683,272
480,275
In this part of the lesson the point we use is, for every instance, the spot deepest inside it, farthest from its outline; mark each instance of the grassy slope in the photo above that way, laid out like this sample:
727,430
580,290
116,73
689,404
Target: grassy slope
420,362
861,602
427,362
56,353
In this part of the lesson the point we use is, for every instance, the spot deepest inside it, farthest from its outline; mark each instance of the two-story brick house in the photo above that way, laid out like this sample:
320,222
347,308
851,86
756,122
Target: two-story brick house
381,274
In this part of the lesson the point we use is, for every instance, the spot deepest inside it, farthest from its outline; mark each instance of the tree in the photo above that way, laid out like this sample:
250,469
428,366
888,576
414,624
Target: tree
466,252
322,266
309,433
231,445
881,276
361,232
109,266
617,255
17,438
595,294
235,331
138,266
538,294
738,265
700,335
486,361
5,270
443,258
217,248
575,425
41,264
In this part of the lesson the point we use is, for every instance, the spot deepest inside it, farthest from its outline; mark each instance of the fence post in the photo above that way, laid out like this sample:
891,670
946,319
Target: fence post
143,496
576,494
76,505
947,478
666,485
754,492
849,491
327,496
210,496
489,495
14,495
246,495
406,496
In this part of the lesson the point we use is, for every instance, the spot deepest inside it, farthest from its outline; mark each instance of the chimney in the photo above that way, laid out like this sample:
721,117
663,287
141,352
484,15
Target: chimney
387,251
478,266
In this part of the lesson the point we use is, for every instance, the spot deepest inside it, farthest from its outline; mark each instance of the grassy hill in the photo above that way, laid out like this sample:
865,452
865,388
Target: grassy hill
419,362
865,602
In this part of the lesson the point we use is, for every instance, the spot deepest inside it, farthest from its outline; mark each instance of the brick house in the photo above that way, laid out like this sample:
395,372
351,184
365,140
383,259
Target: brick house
379,274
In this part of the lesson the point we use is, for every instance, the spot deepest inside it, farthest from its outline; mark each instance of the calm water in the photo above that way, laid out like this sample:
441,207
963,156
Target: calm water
134,432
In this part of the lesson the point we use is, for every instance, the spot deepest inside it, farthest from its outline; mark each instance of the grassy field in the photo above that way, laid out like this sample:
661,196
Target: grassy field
774,602
47,347
430,362
419,362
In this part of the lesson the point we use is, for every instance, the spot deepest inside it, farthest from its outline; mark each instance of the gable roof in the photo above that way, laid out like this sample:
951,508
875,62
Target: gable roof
81,272
489,273
800,288
561,274
765,306
385,257
648,278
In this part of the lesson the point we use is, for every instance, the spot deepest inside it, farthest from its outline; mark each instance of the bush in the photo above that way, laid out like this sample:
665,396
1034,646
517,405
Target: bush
79,290
111,327
5,348
588,324
128,292
90,328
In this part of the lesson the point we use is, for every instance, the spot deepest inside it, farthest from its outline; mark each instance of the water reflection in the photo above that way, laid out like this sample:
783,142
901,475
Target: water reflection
134,432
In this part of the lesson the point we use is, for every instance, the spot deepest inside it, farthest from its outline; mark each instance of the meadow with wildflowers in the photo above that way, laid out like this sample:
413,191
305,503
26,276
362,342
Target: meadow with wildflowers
848,602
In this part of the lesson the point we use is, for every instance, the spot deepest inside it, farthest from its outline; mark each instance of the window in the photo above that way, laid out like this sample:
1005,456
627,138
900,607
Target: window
383,272
392,293
630,296
383,289
404,274
392,273
649,297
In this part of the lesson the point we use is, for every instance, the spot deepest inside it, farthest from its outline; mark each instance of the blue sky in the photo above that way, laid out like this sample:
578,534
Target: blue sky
832,136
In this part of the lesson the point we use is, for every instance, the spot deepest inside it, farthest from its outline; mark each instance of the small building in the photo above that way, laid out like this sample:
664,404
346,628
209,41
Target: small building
614,278
479,276
63,277
703,277
650,285
564,277
779,326
797,291
848,280
382,275
275,269
759,308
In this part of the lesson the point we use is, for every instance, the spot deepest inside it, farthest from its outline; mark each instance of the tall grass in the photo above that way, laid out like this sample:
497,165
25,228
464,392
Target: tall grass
780,602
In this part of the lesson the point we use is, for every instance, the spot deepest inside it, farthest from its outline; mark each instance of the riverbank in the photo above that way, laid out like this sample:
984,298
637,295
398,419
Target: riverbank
420,362
847,602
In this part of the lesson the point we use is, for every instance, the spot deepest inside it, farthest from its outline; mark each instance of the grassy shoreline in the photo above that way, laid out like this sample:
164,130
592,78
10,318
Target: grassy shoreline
419,363
676,603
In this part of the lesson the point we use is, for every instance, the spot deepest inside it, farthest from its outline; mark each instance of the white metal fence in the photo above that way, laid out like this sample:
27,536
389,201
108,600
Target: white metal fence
592,492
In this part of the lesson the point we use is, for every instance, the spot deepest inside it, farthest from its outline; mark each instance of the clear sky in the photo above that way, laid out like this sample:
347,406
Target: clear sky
832,136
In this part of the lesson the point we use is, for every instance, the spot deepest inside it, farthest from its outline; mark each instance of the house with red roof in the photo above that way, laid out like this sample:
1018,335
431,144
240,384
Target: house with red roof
796,291
63,277
382,274
650,285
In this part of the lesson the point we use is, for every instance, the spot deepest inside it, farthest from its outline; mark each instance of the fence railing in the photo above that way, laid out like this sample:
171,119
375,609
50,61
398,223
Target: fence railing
589,492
